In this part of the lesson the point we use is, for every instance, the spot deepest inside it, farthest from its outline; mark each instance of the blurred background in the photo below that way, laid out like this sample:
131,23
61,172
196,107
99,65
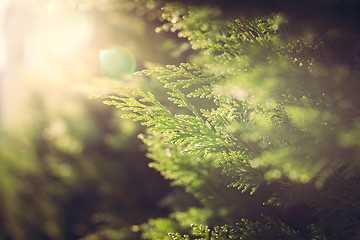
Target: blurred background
70,167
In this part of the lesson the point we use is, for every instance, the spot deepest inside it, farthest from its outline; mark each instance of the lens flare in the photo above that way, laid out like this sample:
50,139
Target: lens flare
75,27
71,28
117,63
61,32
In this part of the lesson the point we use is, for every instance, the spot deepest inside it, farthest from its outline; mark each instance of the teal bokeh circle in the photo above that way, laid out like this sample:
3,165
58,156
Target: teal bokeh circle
117,63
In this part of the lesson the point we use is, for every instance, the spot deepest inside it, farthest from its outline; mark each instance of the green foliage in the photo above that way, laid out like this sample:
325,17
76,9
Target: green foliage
245,229
264,110
178,222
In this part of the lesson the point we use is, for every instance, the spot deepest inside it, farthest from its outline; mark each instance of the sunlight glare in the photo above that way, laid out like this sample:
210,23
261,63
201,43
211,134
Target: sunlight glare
66,30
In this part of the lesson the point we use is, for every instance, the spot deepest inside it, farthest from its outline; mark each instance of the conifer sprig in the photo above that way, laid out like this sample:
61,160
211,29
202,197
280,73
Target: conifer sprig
276,113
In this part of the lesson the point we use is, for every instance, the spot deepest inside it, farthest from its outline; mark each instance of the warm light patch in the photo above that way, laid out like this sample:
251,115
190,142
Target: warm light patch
66,30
